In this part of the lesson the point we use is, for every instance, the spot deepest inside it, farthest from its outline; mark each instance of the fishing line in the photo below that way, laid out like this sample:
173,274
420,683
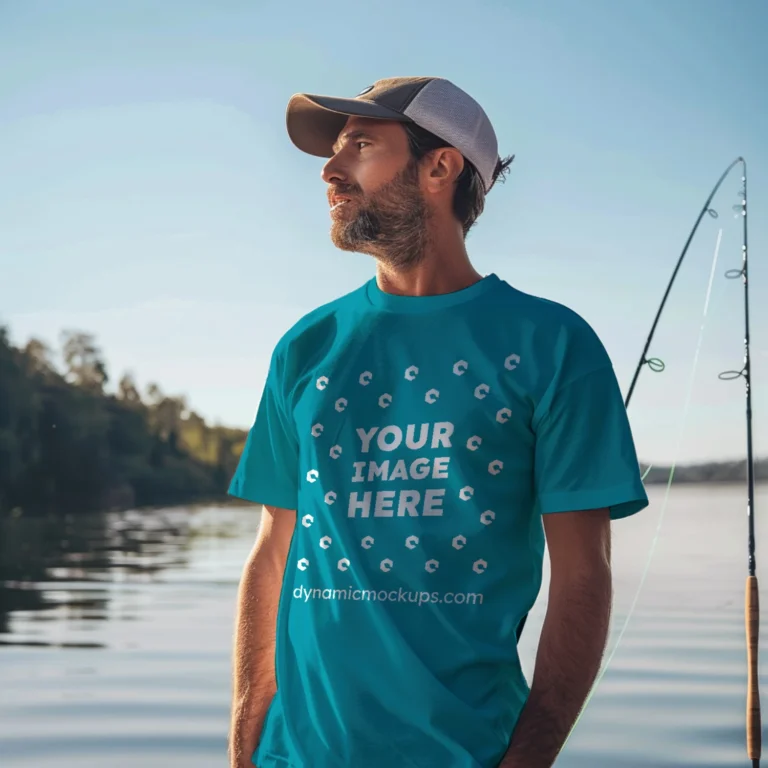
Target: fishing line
654,542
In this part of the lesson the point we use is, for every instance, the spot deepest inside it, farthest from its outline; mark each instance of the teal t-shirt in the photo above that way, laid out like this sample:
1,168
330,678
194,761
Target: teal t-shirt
420,440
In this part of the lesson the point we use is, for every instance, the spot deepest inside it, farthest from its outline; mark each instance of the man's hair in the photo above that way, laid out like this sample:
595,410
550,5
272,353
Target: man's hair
469,195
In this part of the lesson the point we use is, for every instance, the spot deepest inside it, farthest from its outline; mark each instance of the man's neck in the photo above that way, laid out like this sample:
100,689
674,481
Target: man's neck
445,268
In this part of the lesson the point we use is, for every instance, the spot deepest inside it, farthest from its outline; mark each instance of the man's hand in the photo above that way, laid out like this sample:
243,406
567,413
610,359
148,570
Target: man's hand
572,639
243,738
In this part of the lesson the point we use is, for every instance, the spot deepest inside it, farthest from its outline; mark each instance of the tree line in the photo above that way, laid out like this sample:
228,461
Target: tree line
67,446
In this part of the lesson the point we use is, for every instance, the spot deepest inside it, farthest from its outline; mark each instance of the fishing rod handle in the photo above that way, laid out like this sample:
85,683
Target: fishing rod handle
752,616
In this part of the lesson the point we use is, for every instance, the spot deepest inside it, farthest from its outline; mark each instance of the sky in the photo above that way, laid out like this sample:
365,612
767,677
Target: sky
149,193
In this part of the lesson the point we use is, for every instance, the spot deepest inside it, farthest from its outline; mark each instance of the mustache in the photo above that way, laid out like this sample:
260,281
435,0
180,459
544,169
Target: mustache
344,190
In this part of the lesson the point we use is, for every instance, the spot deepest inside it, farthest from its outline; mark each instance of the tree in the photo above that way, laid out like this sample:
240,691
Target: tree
154,394
39,357
84,364
127,390
19,407
167,419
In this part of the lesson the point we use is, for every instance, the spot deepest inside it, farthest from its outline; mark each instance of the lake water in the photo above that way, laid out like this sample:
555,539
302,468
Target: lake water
115,637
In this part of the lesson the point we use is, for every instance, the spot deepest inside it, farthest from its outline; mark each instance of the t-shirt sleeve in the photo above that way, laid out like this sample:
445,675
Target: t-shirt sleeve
585,454
267,472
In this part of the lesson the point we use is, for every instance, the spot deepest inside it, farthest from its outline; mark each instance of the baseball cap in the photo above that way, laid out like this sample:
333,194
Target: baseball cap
433,103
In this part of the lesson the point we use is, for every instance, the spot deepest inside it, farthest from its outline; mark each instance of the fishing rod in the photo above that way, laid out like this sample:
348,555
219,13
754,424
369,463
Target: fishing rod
752,604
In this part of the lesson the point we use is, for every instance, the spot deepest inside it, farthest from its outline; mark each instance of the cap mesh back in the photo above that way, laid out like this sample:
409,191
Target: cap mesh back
445,110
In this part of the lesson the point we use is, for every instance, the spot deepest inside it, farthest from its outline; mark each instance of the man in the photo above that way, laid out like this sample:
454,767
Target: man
417,442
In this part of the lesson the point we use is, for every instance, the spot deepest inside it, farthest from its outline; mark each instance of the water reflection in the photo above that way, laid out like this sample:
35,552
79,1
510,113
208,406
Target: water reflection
145,601
63,570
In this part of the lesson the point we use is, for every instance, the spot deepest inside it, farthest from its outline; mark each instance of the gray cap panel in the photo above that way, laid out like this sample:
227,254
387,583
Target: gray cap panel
450,113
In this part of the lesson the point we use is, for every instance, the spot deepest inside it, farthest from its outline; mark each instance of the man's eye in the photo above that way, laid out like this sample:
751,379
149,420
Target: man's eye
361,144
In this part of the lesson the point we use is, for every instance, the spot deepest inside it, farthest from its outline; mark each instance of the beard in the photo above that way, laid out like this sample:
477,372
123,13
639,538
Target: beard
389,224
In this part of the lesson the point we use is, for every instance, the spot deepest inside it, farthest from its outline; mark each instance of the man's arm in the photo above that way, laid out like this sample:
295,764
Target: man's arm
573,636
254,653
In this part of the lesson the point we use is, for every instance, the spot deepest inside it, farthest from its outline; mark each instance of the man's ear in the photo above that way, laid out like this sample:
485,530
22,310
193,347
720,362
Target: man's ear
442,167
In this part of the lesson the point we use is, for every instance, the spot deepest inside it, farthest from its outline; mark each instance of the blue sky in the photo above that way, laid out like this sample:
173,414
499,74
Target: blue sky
149,193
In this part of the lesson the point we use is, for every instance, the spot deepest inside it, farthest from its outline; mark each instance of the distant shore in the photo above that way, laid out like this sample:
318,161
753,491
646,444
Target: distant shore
70,446
707,472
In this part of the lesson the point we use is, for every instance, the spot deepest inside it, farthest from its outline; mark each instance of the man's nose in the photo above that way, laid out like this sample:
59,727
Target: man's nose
333,172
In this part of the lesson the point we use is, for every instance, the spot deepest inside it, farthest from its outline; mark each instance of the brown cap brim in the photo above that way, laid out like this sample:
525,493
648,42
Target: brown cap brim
315,122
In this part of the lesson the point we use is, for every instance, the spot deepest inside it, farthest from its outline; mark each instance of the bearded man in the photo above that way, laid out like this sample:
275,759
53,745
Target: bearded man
418,444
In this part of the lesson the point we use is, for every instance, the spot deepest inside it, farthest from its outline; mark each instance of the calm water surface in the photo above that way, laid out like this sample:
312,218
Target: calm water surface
115,638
